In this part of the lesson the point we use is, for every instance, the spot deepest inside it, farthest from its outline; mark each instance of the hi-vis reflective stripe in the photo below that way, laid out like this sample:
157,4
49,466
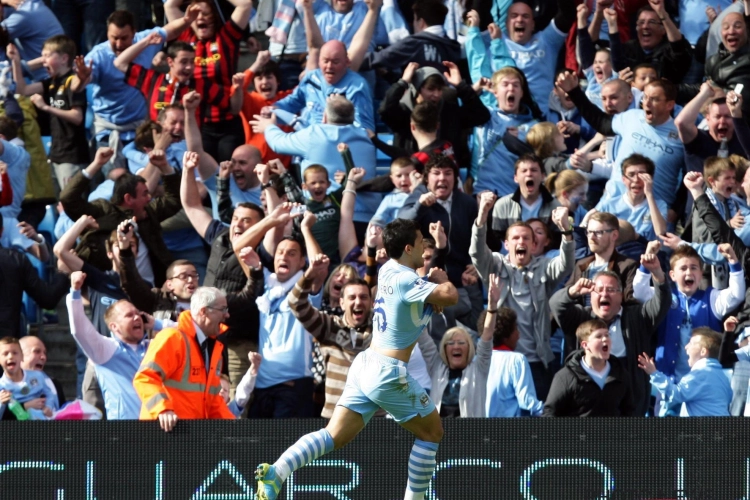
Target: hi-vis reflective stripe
155,400
153,366
184,383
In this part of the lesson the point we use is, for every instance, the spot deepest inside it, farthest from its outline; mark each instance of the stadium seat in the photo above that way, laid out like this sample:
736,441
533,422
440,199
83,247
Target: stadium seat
47,226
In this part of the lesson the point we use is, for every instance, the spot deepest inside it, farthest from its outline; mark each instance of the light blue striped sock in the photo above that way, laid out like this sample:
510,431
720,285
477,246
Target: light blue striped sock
304,451
421,467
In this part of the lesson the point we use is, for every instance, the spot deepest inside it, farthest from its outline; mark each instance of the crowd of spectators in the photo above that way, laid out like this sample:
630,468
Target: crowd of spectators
578,170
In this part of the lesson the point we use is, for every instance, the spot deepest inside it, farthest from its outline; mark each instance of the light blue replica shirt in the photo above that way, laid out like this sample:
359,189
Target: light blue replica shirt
35,384
534,59
18,161
400,312
28,28
317,144
343,27
238,195
116,362
638,215
312,92
704,392
284,343
661,143
494,170
112,98
389,207
510,387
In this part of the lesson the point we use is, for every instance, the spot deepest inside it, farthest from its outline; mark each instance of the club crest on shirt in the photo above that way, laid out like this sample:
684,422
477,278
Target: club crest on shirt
420,283
673,136
424,399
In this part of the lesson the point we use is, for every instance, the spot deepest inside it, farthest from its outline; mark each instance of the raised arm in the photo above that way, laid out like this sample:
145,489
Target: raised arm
685,121
73,196
312,29
96,345
189,196
314,252
207,166
241,12
598,119
137,289
122,62
21,87
493,297
174,28
347,232
586,37
657,218
362,38
67,242
172,10
481,255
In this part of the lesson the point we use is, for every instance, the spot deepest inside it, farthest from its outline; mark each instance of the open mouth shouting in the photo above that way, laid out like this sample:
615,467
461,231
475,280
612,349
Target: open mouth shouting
530,185
522,252
599,75
732,42
722,132
358,315
605,305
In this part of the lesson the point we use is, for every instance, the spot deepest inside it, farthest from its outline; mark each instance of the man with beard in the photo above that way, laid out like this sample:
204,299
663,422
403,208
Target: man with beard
632,326
529,282
341,337
602,231
718,140
119,108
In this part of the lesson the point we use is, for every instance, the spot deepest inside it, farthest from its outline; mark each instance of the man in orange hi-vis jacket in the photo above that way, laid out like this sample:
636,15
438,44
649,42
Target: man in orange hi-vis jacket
179,376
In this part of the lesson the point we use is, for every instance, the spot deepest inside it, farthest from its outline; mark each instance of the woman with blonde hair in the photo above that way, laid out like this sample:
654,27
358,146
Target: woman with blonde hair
570,188
459,370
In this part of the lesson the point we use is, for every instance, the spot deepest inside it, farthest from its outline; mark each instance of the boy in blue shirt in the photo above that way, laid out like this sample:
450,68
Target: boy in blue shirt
401,170
638,204
691,307
705,391
33,389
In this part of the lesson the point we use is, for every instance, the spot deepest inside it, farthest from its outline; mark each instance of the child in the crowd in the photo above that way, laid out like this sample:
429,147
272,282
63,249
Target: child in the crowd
244,388
596,64
69,153
643,74
510,388
705,391
32,389
326,207
265,75
691,306
638,204
401,170
592,383
548,144
569,187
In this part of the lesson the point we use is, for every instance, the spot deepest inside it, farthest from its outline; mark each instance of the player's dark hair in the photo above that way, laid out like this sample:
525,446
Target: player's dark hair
432,12
398,234
505,325
178,46
251,206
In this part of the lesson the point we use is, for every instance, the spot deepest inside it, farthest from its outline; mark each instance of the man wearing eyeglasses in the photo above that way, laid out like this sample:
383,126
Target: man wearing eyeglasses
179,377
632,326
649,131
602,233
672,57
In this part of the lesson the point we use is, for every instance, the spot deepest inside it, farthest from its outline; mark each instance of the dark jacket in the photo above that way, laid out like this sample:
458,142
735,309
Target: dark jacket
672,59
457,226
574,394
424,48
725,70
243,313
18,275
623,266
91,247
455,120
722,233
639,324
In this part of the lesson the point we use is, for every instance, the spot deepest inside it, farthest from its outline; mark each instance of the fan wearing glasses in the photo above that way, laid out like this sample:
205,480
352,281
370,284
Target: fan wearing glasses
632,326
602,234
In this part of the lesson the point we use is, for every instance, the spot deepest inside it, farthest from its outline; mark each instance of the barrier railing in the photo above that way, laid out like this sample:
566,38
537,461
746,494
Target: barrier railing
539,459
